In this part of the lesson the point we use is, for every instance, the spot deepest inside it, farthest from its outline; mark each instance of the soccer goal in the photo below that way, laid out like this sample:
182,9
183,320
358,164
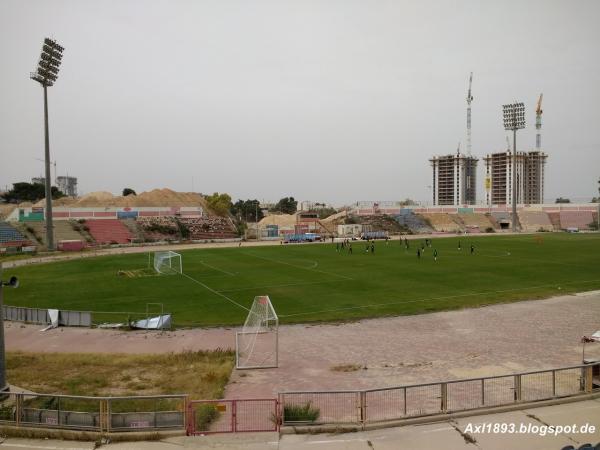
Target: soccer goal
257,345
167,262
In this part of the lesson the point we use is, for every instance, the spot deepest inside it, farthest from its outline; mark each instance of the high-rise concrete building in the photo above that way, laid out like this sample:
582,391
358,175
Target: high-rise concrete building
529,171
67,185
454,179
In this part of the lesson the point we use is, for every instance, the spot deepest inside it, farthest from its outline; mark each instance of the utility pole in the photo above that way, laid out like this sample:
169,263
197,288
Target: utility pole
47,74
12,282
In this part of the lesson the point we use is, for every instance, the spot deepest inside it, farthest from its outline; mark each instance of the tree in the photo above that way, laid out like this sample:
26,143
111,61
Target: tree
29,192
286,205
248,210
562,200
128,191
219,203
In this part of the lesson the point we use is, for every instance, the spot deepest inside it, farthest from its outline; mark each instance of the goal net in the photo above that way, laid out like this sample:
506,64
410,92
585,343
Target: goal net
167,262
256,346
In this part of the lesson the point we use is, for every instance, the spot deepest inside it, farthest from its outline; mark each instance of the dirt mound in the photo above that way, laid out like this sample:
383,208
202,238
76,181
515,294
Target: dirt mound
281,220
156,197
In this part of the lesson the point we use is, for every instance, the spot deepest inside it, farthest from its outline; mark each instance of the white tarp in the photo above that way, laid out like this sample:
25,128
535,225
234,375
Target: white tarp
596,336
53,315
153,323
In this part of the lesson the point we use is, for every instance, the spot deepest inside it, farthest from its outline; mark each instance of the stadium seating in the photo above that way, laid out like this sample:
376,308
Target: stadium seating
480,221
109,231
63,231
576,219
10,236
414,223
535,221
442,222
555,219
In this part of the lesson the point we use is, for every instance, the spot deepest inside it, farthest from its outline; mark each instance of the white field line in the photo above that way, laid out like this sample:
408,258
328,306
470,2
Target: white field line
217,269
445,297
298,267
215,292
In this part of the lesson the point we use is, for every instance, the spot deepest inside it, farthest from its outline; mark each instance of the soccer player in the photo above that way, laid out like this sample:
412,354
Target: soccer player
472,249
459,245
350,247
418,253
435,254
373,247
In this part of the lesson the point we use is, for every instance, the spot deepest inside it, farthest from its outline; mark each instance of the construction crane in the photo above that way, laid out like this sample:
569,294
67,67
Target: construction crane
469,100
53,163
538,124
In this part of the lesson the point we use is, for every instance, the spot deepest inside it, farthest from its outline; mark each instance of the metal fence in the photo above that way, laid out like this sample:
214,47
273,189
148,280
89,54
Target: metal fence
41,316
376,405
231,416
101,414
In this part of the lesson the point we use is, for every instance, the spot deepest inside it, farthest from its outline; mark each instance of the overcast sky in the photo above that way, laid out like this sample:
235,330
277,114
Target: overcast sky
333,101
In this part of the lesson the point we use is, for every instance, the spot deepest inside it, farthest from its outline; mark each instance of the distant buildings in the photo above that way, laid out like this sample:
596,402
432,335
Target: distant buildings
454,179
529,173
67,185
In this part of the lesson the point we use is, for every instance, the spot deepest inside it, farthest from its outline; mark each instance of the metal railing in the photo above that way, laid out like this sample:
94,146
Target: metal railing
41,316
101,414
377,405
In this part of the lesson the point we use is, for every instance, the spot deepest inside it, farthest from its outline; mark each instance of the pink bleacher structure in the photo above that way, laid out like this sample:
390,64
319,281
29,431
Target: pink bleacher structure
535,221
576,219
109,231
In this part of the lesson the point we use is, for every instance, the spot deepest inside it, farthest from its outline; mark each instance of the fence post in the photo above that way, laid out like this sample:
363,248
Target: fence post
518,388
405,407
234,416
363,407
587,376
483,392
553,383
18,408
444,396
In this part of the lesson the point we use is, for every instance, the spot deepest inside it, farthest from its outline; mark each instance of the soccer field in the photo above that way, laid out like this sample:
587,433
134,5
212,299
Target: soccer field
314,282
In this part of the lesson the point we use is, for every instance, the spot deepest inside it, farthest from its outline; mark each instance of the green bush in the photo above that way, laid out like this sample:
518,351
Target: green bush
300,413
205,415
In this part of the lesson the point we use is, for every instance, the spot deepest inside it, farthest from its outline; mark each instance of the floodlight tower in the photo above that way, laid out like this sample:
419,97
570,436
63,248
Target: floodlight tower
538,124
47,74
469,100
514,119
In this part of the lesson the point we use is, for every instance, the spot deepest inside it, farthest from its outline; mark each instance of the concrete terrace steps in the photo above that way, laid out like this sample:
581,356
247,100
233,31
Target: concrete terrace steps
109,231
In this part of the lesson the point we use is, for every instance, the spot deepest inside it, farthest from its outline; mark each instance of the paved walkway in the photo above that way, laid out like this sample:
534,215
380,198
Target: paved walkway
493,340
459,434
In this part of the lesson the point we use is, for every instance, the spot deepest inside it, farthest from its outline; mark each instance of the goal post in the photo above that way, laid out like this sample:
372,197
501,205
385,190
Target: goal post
257,345
167,262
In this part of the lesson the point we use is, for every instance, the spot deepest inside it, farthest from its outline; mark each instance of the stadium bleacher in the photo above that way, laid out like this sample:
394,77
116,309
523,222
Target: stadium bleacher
555,219
63,231
200,228
576,219
415,223
442,222
109,231
535,221
10,236
475,220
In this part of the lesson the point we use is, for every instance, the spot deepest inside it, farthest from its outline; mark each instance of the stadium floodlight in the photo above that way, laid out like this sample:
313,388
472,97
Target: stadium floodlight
514,119
14,283
47,74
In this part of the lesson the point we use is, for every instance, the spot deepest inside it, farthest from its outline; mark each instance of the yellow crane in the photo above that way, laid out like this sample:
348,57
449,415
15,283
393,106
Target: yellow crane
538,123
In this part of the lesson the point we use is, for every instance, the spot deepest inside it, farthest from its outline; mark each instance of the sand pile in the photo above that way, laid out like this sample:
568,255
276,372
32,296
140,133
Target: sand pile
156,197
281,220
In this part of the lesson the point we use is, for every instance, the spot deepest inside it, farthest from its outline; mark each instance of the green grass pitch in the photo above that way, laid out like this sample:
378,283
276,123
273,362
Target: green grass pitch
314,282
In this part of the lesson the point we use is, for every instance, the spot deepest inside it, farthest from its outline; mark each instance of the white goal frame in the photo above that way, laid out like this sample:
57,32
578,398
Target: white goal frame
163,263
257,345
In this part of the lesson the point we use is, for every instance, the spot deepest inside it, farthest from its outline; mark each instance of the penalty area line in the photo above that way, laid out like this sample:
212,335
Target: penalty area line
214,292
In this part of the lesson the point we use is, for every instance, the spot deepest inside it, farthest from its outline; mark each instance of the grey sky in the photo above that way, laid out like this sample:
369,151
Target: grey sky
325,100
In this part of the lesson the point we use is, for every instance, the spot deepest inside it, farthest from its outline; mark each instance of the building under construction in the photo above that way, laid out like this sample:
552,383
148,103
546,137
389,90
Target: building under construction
454,179
529,172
